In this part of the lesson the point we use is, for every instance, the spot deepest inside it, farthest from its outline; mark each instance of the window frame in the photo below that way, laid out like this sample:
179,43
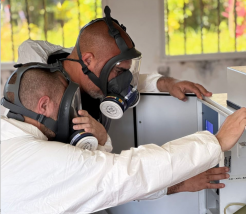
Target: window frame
8,66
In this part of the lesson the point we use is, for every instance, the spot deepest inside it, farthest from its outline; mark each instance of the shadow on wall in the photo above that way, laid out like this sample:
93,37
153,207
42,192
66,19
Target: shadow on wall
210,74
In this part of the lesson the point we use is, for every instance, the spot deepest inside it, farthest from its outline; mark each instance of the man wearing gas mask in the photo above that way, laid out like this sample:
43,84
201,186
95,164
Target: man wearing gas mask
105,64
41,176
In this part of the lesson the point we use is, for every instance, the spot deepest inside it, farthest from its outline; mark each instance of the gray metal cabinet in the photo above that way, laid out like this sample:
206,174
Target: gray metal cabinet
162,118
159,118
122,132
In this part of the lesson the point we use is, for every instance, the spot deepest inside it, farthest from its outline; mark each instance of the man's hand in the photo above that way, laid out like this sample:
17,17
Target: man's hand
201,181
179,88
232,129
90,125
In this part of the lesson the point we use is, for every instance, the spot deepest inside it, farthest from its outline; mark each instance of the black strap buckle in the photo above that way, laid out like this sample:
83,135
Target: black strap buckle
85,70
18,65
123,27
40,118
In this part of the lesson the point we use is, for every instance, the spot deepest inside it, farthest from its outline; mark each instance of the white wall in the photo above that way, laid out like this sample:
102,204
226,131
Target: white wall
210,74
144,21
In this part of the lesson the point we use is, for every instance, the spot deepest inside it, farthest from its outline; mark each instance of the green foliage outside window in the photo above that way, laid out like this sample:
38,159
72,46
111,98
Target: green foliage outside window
64,18
214,18
62,22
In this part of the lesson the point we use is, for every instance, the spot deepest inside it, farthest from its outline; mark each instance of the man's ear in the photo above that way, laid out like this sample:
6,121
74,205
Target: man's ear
45,106
89,60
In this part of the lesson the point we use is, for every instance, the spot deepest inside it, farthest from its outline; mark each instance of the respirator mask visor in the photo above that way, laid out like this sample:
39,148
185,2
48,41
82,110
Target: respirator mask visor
122,90
131,65
79,138
76,105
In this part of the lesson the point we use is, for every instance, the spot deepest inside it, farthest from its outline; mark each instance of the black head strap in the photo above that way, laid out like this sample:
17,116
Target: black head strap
86,70
48,122
14,88
113,31
17,110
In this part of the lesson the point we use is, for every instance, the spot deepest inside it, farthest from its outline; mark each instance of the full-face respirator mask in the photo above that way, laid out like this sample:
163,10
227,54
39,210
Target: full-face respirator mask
68,109
120,93
122,90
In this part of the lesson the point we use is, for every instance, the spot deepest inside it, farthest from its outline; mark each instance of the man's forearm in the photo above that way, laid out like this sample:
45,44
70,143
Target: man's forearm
180,187
163,83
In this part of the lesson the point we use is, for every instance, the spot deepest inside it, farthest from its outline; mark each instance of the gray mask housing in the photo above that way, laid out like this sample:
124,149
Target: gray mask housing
68,109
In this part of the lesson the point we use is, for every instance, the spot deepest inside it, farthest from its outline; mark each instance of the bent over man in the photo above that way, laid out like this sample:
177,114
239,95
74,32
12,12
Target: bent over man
104,50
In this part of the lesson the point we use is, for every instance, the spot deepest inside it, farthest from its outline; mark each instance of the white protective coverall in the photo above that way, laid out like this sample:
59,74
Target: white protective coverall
40,176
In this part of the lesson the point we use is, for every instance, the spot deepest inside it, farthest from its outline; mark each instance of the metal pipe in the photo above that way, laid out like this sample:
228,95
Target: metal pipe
12,32
184,28
63,36
167,33
27,18
45,20
95,9
201,19
218,30
78,3
235,23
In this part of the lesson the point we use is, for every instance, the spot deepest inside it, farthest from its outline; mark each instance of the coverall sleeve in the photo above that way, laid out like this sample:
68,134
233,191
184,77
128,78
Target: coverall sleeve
139,172
107,146
155,195
70,179
36,51
148,82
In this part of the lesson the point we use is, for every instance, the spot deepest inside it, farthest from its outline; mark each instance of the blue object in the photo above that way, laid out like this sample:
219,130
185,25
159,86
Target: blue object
209,127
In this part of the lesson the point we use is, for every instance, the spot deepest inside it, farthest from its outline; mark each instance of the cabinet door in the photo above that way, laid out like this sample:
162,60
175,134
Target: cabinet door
181,203
163,118
122,132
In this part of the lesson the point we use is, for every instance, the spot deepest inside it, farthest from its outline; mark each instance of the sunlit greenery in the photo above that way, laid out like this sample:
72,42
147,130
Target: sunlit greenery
64,18
210,43
61,16
185,17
